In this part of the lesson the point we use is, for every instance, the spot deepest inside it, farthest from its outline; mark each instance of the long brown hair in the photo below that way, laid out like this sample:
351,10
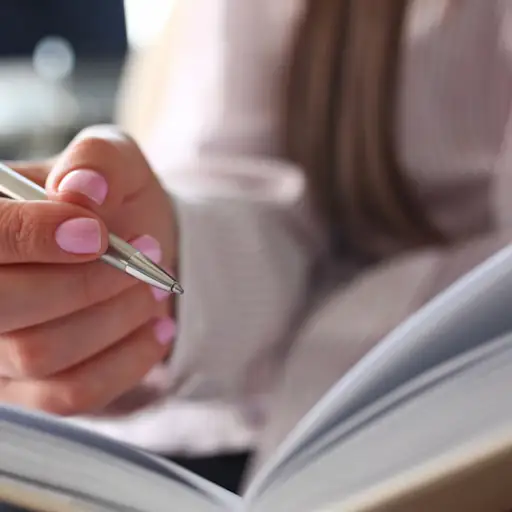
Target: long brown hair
340,114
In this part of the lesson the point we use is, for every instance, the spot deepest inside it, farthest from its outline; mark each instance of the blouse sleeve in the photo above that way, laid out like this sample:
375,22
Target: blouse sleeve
247,239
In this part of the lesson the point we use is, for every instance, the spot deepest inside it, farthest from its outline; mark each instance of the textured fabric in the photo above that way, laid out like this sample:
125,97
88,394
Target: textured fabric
269,321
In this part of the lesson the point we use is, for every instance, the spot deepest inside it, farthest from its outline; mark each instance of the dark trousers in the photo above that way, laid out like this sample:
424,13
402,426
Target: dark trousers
224,470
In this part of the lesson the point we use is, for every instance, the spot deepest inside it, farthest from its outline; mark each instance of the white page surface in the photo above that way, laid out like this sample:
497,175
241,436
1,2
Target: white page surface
463,407
474,310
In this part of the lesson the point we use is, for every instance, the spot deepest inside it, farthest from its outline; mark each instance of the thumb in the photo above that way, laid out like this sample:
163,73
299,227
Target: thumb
47,232
44,231
101,169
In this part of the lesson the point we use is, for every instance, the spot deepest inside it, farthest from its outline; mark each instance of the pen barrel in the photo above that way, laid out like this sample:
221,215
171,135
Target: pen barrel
120,254
18,187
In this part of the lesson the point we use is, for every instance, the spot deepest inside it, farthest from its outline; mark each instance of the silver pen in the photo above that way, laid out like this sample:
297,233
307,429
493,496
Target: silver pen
120,254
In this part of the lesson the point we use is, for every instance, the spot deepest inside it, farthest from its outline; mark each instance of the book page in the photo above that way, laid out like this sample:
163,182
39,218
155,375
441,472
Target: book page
67,461
476,479
29,497
472,311
452,415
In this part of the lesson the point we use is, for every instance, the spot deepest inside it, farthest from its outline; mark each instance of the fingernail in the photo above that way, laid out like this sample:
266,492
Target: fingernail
165,329
148,246
89,183
79,236
159,294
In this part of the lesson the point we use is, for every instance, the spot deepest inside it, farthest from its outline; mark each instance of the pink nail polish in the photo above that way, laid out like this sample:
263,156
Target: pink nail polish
160,295
79,236
89,183
148,246
165,329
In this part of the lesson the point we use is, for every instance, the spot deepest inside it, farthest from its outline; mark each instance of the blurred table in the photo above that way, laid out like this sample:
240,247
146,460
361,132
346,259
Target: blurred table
38,116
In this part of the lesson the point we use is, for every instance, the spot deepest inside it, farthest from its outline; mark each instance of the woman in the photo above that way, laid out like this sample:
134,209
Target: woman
394,112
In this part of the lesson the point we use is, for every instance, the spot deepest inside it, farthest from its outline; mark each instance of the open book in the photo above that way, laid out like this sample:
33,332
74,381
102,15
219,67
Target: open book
422,422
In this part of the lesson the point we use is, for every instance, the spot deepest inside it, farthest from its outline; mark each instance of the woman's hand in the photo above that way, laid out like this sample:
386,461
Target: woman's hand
75,334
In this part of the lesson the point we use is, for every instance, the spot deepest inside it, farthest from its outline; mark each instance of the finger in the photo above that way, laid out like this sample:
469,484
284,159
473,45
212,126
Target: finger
35,294
55,346
105,171
102,169
46,232
97,382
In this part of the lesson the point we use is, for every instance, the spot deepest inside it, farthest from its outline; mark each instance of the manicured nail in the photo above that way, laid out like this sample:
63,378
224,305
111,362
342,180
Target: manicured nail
148,246
89,183
79,236
164,329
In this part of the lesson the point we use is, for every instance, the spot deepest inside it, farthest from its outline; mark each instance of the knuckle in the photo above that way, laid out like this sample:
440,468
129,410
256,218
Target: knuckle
153,352
25,357
63,399
90,285
144,352
111,151
20,230
142,303
103,131
93,285
103,142
137,305
96,147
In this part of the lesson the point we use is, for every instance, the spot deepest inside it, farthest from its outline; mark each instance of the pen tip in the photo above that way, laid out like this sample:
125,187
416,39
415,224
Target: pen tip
176,288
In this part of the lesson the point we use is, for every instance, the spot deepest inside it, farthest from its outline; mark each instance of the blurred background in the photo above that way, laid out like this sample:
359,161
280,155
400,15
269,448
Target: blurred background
62,64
